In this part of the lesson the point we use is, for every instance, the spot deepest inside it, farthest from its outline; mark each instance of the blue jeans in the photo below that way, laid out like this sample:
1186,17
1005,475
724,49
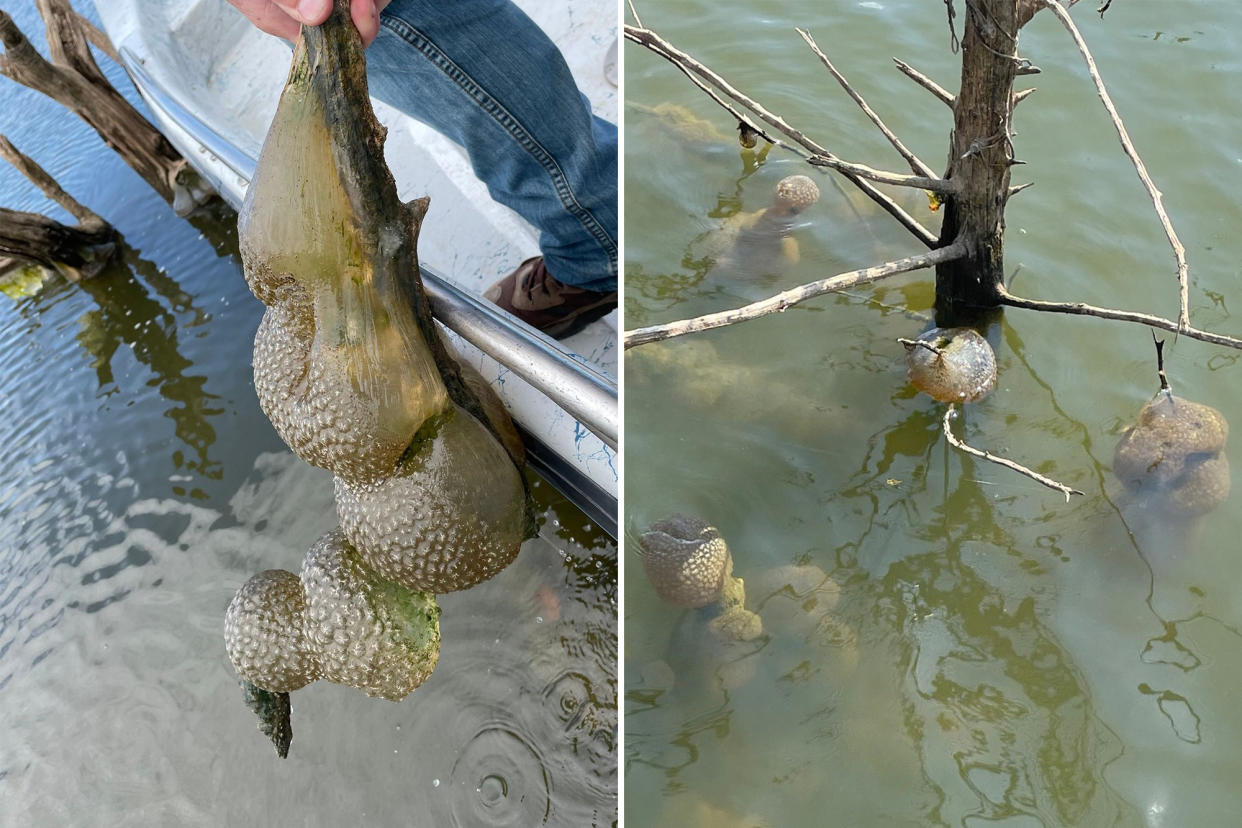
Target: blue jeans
483,74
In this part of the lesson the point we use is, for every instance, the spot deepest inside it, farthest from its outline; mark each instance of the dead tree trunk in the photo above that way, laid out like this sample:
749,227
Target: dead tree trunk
74,79
980,157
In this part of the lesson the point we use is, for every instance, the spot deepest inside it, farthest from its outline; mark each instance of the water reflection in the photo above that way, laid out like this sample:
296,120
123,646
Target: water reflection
130,313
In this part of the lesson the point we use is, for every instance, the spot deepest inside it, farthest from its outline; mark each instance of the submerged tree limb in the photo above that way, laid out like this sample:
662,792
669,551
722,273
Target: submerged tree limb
1179,252
949,416
1083,309
789,298
927,83
689,65
916,164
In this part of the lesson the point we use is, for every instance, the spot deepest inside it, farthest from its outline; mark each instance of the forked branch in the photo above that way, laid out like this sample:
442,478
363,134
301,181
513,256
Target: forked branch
951,413
1083,309
916,165
787,299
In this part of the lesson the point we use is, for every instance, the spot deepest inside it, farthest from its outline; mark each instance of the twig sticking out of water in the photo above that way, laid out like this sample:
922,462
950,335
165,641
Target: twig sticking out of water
949,416
791,297
927,83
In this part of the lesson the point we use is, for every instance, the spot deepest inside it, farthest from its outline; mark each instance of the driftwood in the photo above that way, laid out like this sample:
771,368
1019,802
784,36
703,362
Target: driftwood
77,252
73,78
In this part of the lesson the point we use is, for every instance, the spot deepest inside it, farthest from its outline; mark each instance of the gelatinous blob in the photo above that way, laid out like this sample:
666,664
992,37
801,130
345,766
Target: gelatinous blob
263,633
1175,450
452,516
959,365
685,559
368,633
358,380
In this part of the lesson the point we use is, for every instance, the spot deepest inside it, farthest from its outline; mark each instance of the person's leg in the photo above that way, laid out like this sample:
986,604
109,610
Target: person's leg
482,73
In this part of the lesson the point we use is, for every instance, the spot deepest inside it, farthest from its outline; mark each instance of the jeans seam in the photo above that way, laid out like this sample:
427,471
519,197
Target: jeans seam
507,122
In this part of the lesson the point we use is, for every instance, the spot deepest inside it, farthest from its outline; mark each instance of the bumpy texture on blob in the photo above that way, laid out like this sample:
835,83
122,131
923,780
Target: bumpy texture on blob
451,517
796,192
368,633
1176,449
263,633
963,371
685,559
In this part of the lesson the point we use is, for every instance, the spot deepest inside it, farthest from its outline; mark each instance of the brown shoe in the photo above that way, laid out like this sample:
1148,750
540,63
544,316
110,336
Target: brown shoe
532,295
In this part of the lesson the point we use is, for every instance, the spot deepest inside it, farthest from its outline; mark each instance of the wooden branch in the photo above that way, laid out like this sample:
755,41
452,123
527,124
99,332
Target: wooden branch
916,165
941,186
1017,188
98,39
1083,309
39,177
654,43
73,79
1022,94
787,299
927,83
951,413
77,252
711,93
1179,252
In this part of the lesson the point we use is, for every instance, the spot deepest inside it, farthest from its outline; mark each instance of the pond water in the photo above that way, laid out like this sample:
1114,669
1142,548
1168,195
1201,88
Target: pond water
142,485
945,642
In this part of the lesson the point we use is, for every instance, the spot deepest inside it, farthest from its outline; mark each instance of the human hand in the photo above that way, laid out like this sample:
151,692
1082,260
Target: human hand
284,18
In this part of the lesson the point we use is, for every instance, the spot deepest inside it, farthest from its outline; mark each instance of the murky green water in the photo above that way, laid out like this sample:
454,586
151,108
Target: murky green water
142,485
983,653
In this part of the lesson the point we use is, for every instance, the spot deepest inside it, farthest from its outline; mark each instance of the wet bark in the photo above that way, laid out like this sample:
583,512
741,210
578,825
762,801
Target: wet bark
73,78
77,252
980,157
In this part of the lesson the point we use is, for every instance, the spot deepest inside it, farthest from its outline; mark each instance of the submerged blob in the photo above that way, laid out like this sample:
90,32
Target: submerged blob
760,241
1175,451
689,565
951,364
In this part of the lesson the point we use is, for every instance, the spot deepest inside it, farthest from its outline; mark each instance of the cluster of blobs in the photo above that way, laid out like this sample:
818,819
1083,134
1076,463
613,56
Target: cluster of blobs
689,565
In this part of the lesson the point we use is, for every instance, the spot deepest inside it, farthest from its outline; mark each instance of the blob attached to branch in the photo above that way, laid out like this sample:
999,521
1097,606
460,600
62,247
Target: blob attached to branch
951,364
1175,452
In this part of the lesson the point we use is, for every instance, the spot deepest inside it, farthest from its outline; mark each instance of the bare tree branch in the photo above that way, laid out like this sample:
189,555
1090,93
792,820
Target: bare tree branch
1179,252
98,39
634,13
791,297
1083,309
653,42
1022,94
927,83
1017,188
951,413
937,185
916,165
38,176
711,93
